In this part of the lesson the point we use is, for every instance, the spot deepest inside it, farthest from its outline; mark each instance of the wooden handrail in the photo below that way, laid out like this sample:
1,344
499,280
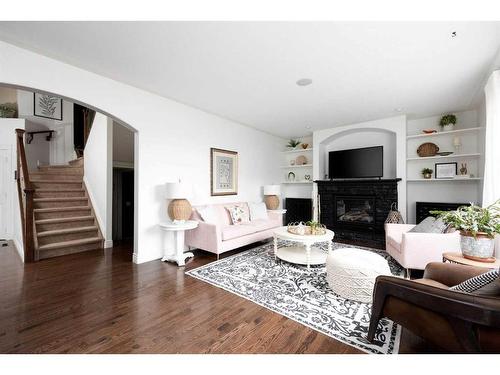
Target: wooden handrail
25,192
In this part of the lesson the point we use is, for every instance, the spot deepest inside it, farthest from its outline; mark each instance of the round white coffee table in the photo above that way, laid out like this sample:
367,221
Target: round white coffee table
174,249
304,252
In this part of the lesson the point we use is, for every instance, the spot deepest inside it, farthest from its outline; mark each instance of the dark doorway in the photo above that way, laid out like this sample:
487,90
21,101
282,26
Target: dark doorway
123,204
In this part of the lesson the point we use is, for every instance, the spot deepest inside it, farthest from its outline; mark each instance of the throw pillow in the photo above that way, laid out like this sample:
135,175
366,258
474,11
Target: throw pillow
238,214
258,211
476,283
430,225
208,214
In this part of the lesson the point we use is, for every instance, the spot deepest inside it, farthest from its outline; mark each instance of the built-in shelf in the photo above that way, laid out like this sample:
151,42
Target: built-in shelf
297,166
444,179
452,156
297,182
458,131
296,151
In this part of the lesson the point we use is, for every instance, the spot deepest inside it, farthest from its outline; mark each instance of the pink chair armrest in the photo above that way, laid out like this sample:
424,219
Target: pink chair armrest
397,228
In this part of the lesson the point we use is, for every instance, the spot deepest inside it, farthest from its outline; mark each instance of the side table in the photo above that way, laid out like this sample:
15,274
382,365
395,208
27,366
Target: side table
459,259
175,236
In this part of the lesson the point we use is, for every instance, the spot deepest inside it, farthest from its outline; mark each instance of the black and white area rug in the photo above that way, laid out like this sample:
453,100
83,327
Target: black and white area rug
302,295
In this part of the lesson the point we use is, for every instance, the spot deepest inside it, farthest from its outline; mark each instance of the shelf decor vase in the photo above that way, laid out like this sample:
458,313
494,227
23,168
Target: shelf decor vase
427,176
479,248
291,176
448,128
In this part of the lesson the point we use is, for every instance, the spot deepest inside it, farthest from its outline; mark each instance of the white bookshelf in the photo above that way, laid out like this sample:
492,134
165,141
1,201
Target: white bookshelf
452,156
430,180
296,151
297,166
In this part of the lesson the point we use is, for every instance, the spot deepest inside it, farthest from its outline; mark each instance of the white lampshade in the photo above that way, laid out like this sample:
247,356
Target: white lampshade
177,190
272,189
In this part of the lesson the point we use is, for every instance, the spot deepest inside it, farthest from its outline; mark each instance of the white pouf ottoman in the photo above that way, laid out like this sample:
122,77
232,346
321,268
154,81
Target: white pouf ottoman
351,272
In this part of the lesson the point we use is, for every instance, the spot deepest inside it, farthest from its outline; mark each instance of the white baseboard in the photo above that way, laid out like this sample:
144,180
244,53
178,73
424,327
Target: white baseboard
19,247
108,244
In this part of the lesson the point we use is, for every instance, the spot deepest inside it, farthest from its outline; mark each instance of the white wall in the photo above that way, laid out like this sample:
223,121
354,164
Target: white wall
39,148
390,132
444,191
8,95
172,141
98,173
12,213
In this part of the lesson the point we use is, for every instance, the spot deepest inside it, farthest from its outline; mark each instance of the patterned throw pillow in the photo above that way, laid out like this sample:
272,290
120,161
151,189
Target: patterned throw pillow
477,282
430,225
238,214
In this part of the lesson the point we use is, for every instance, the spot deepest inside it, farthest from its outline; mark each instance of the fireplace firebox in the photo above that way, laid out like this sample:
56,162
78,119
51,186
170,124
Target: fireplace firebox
357,209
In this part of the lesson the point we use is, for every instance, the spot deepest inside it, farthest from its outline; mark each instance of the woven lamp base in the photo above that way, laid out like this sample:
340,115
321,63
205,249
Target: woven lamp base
272,202
179,209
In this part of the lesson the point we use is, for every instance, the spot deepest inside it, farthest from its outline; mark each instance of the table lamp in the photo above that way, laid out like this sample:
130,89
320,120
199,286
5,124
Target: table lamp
271,193
179,208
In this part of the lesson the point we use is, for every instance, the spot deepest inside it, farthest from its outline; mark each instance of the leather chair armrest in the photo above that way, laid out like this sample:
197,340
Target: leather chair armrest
451,274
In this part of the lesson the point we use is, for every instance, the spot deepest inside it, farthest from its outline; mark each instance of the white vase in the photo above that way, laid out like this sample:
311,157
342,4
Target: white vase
448,128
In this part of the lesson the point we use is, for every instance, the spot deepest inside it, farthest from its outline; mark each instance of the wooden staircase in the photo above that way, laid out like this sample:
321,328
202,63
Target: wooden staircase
64,220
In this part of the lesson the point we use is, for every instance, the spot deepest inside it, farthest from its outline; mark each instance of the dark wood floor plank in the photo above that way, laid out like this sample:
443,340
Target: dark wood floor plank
100,302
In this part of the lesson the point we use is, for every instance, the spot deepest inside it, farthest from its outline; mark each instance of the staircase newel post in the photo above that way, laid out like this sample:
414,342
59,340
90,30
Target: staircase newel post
29,247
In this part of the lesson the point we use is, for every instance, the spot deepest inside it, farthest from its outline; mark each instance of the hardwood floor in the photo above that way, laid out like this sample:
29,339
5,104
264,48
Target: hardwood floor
100,302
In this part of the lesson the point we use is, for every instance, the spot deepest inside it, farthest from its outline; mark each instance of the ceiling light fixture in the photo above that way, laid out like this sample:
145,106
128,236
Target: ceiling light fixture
398,109
304,82
453,34
308,126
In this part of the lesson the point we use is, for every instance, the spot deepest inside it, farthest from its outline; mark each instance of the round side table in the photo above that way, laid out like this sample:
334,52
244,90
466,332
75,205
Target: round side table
459,259
175,235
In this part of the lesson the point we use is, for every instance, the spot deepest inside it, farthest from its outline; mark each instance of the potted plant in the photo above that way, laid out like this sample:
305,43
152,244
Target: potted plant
292,143
447,122
477,227
427,173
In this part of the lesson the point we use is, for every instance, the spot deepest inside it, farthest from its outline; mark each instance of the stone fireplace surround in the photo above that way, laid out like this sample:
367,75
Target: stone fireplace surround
380,193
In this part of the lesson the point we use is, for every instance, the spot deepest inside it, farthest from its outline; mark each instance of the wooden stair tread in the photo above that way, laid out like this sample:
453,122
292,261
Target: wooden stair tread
42,190
63,219
66,231
55,209
59,245
60,199
57,181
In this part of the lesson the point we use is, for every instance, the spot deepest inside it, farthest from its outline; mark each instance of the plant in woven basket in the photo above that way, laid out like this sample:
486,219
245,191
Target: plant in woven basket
8,110
477,226
449,119
292,143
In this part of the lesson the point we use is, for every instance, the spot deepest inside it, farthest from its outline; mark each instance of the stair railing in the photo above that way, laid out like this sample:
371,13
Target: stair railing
25,192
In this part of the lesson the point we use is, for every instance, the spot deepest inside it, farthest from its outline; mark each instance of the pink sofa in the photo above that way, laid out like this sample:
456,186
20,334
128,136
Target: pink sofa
416,250
223,236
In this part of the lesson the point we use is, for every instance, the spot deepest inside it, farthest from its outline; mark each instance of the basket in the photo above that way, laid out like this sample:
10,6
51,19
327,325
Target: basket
427,149
301,160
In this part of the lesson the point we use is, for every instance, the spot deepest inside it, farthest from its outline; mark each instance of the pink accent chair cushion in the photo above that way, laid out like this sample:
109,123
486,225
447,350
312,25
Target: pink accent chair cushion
416,250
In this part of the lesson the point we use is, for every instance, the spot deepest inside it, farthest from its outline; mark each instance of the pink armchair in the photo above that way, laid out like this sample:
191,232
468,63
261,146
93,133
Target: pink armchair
416,250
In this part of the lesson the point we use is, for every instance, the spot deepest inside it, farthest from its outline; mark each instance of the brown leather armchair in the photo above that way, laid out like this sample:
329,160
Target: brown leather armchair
454,321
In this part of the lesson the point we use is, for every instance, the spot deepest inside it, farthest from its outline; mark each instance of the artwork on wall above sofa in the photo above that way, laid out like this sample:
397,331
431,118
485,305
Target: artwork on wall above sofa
223,172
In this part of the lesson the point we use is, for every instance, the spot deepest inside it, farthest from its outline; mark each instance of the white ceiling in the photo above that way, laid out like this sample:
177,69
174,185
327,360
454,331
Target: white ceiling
246,71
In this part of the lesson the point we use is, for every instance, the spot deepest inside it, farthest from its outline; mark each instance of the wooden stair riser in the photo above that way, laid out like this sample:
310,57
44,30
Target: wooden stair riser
54,238
60,214
44,254
65,225
66,203
56,185
56,176
60,194
61,170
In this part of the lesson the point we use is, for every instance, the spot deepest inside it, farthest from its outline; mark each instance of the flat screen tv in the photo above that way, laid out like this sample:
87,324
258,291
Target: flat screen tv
356,163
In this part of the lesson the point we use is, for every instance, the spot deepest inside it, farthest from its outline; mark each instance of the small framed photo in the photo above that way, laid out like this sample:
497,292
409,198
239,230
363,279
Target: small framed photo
223,172
47,106
445,170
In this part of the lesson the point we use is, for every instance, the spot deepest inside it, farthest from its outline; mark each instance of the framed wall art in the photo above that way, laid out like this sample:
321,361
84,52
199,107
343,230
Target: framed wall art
445,170
223,172
47,106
